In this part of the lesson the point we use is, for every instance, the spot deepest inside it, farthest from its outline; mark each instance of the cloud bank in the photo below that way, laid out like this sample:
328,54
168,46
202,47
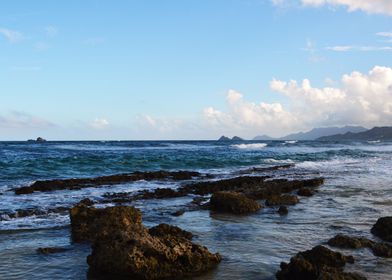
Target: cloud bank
361,98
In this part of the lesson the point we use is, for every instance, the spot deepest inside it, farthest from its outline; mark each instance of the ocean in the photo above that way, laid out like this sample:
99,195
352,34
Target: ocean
357,191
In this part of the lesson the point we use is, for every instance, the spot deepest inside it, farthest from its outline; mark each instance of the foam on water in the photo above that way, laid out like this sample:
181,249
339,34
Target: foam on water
254,146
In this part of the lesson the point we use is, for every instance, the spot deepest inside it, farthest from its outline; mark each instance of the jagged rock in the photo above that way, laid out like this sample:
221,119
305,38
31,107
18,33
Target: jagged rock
51,250
165,229
305,192
383,250
286,199
283,210
317,263
349,242
233,202
89,223
383,228
124,248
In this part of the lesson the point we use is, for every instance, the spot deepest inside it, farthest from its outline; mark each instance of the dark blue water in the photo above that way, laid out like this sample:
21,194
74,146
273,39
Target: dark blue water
358,191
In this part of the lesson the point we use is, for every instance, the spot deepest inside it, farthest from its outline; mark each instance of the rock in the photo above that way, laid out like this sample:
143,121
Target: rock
89,223
87,202
233,202
317,263
165,229
224,138
178,213
305,192
124,248
266,169
71,184
286,199
383,228
383,250
348,242
283,210
51,250
40,139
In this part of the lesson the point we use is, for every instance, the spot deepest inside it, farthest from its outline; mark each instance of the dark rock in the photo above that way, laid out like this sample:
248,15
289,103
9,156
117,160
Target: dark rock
72,184
266,169
383,228
51,250
305,192
124,248
40,139
349,242
283,210
233,202
165,229
383,250
89,223
286,199
178,213
224,138
315,264
87,202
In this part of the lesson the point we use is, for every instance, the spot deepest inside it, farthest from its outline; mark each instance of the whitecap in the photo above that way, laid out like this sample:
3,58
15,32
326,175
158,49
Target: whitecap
254,146
290,142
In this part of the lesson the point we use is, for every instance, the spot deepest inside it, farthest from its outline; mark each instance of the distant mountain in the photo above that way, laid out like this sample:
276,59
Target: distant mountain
315,133
374,134
235,138
323,131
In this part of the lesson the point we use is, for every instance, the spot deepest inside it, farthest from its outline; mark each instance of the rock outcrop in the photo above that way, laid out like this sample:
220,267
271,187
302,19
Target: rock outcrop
383,228
286,199
124,248
319,263
233,202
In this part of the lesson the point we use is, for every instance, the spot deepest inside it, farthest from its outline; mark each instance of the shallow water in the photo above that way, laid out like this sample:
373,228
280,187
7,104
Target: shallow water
356,193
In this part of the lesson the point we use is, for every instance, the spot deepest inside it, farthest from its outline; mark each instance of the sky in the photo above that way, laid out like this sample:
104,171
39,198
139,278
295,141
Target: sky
192,69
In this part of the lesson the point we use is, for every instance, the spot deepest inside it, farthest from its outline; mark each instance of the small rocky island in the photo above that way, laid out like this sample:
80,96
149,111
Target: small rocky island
225,138
38,140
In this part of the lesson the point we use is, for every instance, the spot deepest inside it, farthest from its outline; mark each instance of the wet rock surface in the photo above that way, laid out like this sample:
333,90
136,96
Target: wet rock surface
165,229
317,263
383,228
305,192
349,242
283,210
233,202
72,184
286,199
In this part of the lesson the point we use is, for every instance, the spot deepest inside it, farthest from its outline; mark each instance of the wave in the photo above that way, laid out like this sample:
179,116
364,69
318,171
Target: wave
250,146
374,142
336,163
290,142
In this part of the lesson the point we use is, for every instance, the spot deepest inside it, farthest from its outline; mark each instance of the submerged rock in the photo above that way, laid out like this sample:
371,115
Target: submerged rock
233,202
283,210
123,247
319,263
383,228
286,199
51,250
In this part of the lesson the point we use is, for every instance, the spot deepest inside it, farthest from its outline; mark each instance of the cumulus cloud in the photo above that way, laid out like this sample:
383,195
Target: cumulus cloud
99,123
11,36
369,6
361,98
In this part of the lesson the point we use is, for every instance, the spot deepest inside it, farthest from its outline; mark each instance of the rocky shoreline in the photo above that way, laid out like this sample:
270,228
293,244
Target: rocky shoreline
122,247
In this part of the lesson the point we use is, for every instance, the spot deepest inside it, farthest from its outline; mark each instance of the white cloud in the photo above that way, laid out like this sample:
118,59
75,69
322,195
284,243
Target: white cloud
313,52
369,6
362,99
340,48
22,120
384,34
99,123
11,36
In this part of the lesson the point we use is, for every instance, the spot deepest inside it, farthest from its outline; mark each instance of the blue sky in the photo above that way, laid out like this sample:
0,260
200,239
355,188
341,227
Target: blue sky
192,69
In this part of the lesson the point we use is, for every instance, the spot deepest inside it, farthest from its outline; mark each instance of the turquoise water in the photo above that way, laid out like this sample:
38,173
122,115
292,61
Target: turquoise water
358,190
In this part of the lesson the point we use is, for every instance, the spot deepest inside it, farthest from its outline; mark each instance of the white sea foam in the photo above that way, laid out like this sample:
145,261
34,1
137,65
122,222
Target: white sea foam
279,161
336,163
290,142
254,146
374,142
